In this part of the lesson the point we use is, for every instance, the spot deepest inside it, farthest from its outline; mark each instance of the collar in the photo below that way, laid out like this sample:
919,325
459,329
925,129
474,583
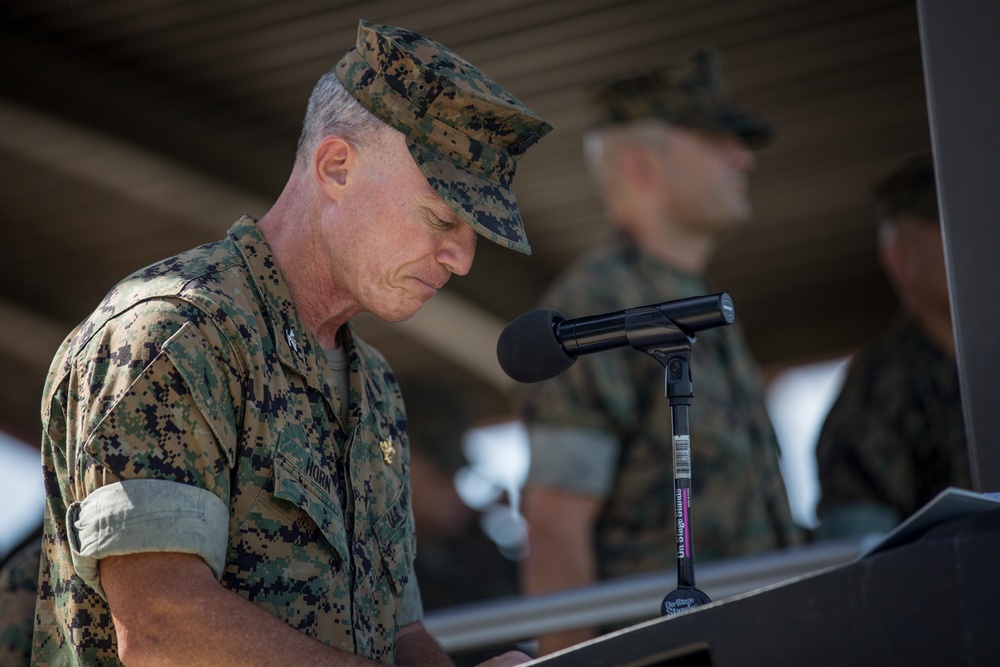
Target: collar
663,279
294,343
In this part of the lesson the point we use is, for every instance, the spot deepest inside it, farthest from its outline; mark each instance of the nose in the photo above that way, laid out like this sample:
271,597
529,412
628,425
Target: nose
458,250
741,155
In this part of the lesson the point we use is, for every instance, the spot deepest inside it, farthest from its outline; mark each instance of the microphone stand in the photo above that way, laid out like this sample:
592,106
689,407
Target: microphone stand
679,391
651,332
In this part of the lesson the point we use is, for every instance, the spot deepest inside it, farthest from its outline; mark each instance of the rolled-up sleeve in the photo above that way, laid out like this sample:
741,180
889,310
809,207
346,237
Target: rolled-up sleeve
573,459
146,515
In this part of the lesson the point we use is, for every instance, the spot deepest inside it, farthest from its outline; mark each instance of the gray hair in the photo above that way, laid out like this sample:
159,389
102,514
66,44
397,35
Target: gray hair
602,145
333,110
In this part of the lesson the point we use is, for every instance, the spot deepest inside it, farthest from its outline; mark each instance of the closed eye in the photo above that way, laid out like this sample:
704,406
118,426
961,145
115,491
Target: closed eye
435,211
442,222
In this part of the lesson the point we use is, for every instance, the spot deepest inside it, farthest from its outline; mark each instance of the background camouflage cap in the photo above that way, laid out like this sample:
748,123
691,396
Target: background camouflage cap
464,131
689,91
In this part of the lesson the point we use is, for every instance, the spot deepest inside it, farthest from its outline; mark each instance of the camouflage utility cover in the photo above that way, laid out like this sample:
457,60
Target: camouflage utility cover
463,129
689,90
198,371
739,504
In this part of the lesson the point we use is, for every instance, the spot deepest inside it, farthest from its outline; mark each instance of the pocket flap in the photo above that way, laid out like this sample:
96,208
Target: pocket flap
301,480
396,541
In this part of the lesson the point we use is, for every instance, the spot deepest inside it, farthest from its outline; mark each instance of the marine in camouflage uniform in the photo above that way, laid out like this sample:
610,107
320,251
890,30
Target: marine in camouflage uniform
198,370
600,432
895,437
195,412
739,504
18,590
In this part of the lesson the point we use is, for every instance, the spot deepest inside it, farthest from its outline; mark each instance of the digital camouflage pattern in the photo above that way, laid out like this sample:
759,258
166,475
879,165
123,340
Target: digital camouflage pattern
464,130
895,437
18,586
739,505
689,91
198,370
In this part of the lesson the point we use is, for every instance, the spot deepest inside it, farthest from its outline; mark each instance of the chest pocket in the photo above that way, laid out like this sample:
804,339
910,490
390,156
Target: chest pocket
301,479
395,538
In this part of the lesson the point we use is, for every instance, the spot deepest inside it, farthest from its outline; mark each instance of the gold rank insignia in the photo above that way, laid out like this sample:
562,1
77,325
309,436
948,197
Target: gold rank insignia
388,451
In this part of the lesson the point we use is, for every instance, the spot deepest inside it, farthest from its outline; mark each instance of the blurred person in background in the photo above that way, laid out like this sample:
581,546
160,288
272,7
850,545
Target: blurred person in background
18,592
671,154
895,437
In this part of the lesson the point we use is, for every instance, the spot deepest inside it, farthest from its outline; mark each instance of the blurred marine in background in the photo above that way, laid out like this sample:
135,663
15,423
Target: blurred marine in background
671,154
895,437
18,592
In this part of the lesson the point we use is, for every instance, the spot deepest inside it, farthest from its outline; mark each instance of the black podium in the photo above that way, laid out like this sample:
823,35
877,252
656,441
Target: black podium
932,601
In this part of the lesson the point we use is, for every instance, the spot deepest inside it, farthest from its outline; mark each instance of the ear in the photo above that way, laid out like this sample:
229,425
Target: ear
635,163
333,159
640,170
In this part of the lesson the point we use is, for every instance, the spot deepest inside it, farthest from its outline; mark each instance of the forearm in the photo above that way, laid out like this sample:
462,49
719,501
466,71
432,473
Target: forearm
551,568
169,610
561,553
555,565
416,648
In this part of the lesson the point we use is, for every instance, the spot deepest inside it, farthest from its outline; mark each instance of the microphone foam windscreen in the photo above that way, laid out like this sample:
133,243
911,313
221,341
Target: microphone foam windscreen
528,350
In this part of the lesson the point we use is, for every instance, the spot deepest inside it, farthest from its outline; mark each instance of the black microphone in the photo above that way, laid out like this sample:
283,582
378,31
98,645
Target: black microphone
541,344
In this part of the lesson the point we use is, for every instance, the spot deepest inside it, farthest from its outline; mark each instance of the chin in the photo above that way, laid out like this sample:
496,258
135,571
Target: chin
402,313
395,316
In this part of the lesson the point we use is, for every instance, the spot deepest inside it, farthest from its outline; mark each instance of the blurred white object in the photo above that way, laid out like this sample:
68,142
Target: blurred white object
498,457
798,401
22,493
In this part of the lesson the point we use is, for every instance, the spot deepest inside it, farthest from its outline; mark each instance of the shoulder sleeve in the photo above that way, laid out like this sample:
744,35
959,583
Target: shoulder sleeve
154,397
151,437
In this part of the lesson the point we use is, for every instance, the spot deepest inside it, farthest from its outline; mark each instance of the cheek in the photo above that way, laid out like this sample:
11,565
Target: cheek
931,257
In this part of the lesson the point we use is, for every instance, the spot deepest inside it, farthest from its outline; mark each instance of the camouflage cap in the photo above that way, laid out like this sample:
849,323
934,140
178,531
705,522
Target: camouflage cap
689,91
464,130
